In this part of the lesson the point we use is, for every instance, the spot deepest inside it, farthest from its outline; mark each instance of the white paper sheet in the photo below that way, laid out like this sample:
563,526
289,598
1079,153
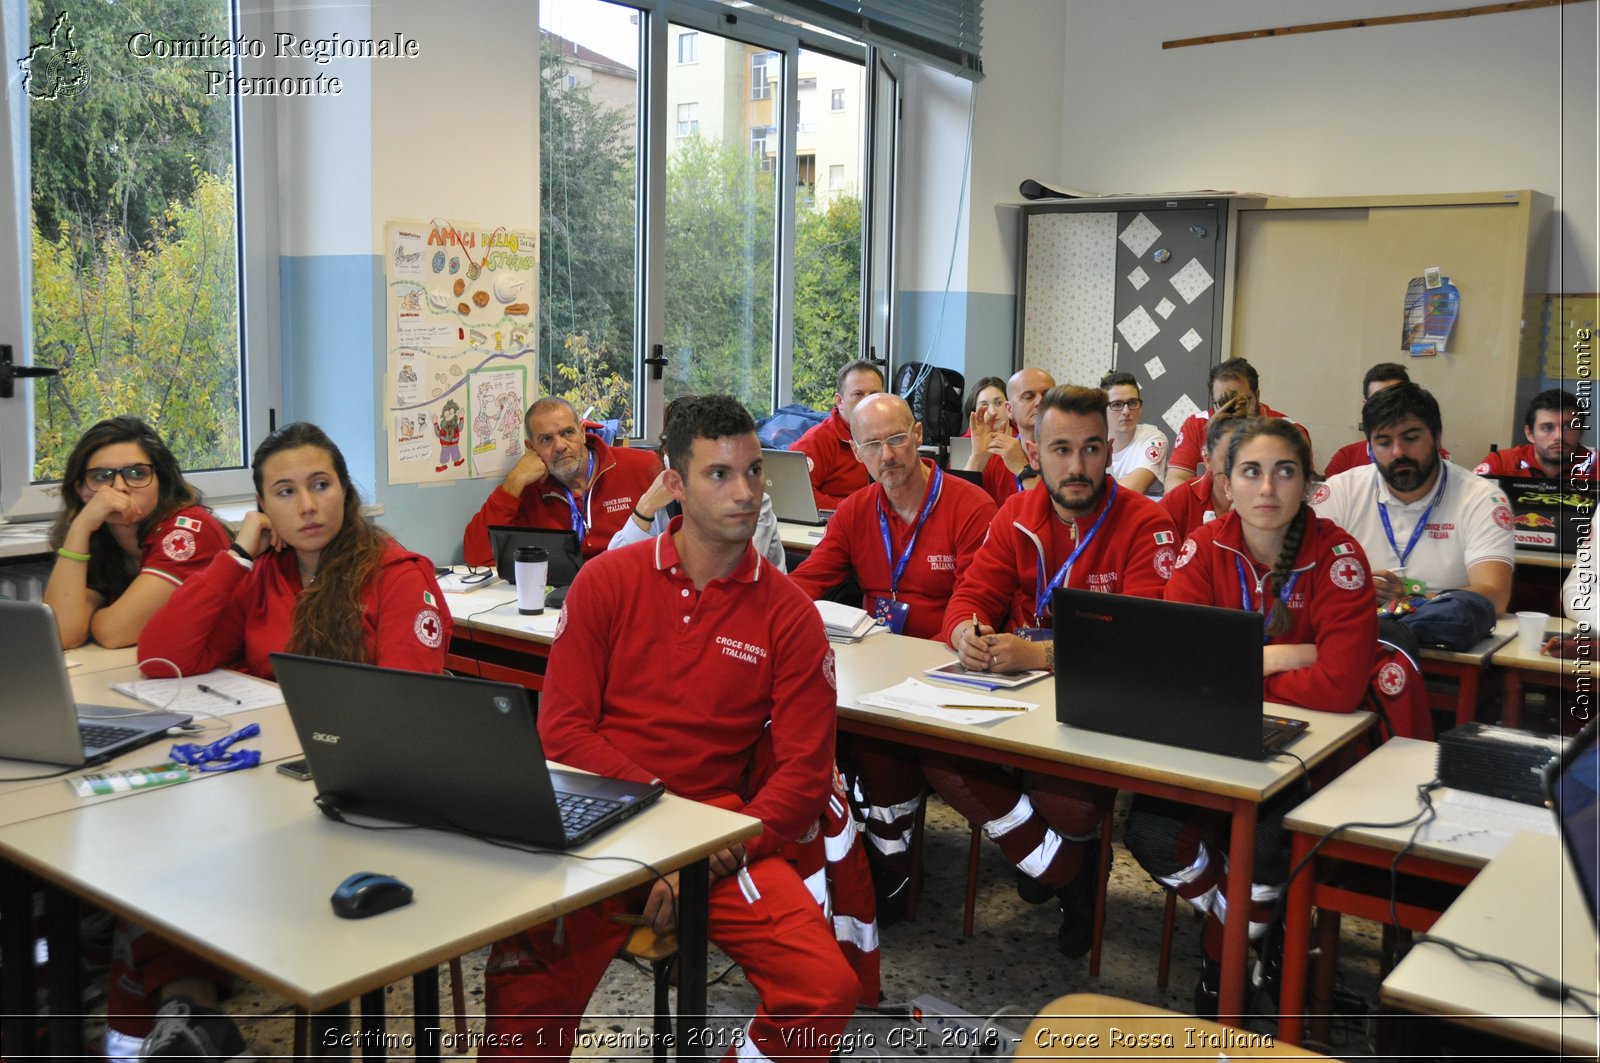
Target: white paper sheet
1138,278
1178,413
1138,328
1482,823
1190,340
226,693
1191,281
1165,308
925,699
1156,368
1139,234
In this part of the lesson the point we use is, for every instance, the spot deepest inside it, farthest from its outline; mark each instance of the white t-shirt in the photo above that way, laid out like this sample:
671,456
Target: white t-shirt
1147,450
1471,523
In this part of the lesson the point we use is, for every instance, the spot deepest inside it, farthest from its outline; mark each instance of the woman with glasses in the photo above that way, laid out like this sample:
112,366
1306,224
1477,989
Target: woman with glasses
1138,451
130,531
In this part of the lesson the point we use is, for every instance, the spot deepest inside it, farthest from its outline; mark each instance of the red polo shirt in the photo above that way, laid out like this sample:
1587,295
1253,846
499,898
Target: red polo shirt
183,544
1522,461
831,457
945,544
1333,604
621,476
1132,553
652,679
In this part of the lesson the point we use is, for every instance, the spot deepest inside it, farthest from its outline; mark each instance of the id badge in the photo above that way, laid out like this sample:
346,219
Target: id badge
1034,634
1414,586
890,613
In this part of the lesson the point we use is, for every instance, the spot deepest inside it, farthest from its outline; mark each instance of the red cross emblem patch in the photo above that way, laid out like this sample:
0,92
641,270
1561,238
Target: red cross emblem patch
1348,573
429,629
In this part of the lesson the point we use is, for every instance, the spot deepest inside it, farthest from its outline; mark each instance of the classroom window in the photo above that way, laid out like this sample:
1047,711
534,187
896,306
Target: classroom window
131,262
688,119
837,100
688,47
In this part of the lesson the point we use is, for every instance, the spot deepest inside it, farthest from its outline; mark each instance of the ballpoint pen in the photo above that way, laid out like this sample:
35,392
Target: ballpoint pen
217,693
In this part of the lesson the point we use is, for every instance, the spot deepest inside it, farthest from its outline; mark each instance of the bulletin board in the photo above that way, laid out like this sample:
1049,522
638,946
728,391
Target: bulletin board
461,328
1319,293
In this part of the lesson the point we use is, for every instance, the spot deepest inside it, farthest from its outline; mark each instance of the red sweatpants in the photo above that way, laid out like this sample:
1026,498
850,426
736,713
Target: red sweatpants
538,987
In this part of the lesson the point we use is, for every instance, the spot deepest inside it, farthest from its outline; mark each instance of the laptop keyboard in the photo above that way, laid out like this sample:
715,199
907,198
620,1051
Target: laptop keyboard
100,735
580,812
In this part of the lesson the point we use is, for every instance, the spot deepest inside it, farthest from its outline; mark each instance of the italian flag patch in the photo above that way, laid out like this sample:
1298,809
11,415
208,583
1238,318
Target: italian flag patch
1162,538
1343,548
427,599
187,522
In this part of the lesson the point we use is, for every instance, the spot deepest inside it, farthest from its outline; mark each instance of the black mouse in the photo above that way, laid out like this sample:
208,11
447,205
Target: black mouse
368,893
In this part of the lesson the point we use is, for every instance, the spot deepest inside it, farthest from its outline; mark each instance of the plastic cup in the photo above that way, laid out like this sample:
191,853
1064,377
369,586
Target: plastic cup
1530,629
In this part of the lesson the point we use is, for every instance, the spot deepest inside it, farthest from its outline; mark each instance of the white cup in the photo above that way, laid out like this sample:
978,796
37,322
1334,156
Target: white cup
1530,629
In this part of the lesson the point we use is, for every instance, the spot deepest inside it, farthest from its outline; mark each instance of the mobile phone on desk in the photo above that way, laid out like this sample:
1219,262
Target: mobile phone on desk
295,769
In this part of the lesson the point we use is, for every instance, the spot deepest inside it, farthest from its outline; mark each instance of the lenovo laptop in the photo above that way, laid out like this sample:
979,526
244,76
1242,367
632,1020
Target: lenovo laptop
441,751
789,485
41,722
1206,693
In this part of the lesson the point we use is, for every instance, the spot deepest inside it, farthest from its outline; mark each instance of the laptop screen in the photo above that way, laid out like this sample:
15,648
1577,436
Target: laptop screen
566,556
1574,790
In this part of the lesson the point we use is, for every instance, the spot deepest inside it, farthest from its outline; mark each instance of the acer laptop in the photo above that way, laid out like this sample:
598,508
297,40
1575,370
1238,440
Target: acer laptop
1205,695
1573,787
789,486
440,751
41,722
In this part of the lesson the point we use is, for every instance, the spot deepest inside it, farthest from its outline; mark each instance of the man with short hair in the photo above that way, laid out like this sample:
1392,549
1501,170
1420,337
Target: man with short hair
1554,449
566,478
1138,451
687,659
830,455
1235,374
1080,531
1003,457
1425,524
1205,498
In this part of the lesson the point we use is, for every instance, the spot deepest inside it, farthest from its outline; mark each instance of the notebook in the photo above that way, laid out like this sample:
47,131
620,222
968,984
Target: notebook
1205,694
1573,786
789,486
441,751
42,722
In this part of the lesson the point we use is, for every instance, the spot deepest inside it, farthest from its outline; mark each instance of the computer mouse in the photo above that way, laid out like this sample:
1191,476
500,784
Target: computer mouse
368,893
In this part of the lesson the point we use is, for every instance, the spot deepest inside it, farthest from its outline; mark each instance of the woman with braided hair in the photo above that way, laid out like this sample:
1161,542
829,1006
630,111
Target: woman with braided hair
1270,554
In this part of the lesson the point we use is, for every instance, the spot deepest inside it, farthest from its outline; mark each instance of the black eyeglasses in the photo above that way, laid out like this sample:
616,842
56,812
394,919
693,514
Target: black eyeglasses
136,475
1125,404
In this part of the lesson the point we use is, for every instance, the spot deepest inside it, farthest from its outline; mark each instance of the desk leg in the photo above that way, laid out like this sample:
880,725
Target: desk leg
1467,695
1236,931
1296,941
16,972
327,1032
1511,708
373,1011
425,1006
694,885
64,933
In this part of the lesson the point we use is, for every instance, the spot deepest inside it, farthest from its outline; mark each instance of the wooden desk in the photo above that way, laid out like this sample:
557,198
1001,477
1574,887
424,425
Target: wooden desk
1382,788
92,658
1089,1026
256,901
1036,742
1466,667
1545,559
1519,664
1525,906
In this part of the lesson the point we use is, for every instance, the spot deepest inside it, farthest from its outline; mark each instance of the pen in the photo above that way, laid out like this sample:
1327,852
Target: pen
986,708
217,693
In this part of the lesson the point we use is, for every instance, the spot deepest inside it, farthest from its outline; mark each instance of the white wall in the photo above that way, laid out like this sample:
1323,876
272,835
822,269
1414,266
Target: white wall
1491,102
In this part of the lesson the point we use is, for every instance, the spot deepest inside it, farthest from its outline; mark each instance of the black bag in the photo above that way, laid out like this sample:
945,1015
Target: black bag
935,396
1454,620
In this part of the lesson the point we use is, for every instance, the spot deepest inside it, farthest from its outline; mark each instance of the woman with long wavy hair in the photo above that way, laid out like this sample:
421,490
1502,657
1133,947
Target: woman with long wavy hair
308,573
130,531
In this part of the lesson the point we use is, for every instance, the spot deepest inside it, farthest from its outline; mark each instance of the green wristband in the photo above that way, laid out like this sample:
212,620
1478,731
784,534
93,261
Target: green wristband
71,555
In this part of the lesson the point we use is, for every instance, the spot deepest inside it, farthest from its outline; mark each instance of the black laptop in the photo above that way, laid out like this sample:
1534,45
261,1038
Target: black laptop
1573,787
1203,693
42,722
1546,514
566,556
440,751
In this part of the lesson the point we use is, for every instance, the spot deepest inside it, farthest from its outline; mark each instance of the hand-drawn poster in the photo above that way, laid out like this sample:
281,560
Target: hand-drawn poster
461,311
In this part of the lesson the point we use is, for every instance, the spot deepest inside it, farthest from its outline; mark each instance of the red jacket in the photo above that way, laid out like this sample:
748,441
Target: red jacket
1521,461
1190,504
853,545
183,545
998,480
831,457
233,616
1188,450
1132,553
621,476
1333,604
650,679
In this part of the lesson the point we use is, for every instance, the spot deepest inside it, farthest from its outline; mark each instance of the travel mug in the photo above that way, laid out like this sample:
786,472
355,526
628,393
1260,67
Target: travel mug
533,567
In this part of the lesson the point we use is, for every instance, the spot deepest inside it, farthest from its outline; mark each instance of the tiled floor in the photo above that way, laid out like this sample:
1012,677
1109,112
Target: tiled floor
1008,970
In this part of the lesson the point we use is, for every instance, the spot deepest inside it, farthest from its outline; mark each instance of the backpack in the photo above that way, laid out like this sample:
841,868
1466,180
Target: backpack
1454,620
935,396
787,424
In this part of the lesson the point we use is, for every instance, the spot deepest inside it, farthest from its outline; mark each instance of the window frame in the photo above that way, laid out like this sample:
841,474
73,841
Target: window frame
255,183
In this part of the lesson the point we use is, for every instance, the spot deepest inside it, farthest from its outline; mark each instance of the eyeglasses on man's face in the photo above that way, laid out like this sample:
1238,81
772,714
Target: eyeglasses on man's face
135,475
1119,405
871,448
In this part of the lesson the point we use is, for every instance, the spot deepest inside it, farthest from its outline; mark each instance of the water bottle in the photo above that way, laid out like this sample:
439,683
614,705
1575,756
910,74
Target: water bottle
532,568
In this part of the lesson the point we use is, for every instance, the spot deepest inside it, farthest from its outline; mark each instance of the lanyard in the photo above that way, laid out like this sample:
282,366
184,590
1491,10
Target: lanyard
1244,591
899,567
1063,573
1416,533
580,525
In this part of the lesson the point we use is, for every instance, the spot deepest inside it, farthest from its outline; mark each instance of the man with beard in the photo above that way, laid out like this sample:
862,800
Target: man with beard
1084,532
565,479
1425,524
1554,451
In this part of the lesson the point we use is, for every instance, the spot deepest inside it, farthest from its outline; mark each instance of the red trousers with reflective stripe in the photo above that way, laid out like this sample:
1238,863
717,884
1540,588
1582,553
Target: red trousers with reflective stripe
539,988
141,964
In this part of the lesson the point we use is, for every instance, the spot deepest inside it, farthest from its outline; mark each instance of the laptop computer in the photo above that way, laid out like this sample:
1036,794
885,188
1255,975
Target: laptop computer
566,555
441,751
1573,787
1547,514
1205,695
789,486
960,449
42,722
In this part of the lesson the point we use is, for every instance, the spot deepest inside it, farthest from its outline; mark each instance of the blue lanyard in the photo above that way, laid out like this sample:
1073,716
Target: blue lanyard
899,568
1083,544
1244,592
1422,523
579,525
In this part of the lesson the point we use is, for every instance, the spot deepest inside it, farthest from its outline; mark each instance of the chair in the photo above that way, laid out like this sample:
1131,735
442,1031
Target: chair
659,951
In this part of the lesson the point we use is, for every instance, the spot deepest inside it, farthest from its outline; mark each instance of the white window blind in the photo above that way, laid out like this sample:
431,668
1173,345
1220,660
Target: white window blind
946,33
